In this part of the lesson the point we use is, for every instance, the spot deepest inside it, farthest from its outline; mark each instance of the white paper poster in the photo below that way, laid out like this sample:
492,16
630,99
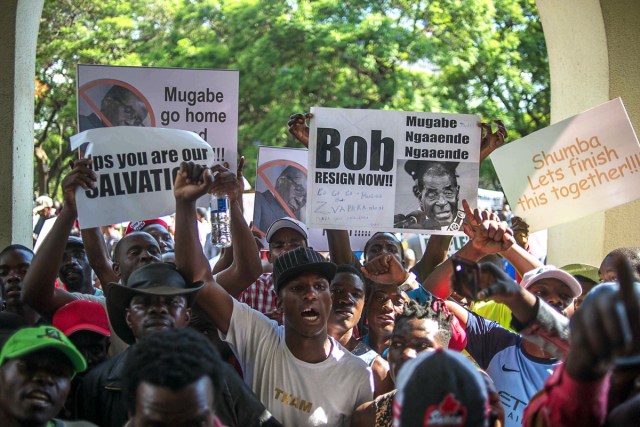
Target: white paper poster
584,164
201,101
281,190
391,170
136,169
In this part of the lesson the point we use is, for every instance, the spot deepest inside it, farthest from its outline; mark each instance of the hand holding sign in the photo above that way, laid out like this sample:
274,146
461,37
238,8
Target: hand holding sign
192,181
80,176
491,141
298,127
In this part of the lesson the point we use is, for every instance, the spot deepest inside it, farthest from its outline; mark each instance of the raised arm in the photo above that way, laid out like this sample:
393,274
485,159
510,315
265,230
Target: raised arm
488,235
38,287
434,254
604,333
98,256
340,248
193,181
246,266
298,127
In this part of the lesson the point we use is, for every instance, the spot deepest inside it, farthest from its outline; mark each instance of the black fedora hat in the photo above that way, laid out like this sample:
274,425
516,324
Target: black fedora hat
158,278
301,260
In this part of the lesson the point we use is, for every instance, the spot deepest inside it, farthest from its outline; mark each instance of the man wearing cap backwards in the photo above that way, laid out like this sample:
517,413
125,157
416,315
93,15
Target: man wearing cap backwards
289,367
157,297
36,367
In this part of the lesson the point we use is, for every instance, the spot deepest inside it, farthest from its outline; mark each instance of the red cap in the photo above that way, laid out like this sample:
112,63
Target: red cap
139,225
82,315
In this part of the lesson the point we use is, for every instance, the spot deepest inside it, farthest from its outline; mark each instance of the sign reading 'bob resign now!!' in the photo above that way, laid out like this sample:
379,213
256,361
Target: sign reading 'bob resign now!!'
391,170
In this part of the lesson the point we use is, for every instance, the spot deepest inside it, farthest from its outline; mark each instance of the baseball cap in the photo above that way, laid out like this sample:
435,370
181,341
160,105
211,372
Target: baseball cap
82,315
440,388
29,340
41,203
301,260
158,278
584,270
286,222
75,241
139,225
551,272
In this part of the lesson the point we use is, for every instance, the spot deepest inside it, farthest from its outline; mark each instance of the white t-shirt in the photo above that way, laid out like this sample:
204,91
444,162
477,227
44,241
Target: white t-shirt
297,393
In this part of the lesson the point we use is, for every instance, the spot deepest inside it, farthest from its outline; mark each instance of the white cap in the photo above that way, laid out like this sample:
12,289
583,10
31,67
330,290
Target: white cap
551,272
41,203
286,222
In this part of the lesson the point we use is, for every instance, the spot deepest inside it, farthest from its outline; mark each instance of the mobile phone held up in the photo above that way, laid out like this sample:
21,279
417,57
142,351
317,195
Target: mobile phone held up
465,278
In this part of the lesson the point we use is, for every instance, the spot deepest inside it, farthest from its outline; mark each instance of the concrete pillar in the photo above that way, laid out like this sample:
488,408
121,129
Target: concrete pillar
19,23
594,56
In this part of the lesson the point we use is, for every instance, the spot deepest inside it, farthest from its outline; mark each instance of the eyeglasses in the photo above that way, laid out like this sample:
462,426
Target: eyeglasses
130,112
296,184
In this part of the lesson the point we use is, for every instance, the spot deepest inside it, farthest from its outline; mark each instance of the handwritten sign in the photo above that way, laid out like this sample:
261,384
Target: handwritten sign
582,165
281,190
391,170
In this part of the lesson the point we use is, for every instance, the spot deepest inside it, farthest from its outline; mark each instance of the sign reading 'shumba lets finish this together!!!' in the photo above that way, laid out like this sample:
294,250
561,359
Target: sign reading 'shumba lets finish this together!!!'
582,165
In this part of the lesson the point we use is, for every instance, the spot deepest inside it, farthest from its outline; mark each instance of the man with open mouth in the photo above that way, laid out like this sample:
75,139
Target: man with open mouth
289,367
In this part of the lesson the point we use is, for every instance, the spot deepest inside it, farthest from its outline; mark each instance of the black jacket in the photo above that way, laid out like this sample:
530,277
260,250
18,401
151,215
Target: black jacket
101,401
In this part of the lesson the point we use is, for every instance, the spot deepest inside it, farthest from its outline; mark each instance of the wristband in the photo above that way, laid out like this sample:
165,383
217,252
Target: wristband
409,284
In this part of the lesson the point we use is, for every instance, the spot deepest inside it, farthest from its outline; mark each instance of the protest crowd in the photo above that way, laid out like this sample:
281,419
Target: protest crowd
152,326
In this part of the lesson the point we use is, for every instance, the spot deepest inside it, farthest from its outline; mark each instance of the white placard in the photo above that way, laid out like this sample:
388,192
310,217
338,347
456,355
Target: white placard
391,170
201,101
136,169
281,190
584,164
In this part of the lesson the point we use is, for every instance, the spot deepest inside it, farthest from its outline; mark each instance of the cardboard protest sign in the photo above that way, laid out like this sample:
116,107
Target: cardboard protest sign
202,101
582,165
136,168
391,170
281,190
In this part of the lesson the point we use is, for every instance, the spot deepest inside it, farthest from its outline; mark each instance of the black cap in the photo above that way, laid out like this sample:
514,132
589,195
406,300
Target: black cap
417,168
158,278
75,241
301,260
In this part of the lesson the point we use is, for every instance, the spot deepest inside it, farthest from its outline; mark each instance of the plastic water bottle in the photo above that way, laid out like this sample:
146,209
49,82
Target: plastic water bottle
219,212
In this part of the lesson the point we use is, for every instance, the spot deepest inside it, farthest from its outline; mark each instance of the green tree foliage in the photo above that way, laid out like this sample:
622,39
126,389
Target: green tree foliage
474,56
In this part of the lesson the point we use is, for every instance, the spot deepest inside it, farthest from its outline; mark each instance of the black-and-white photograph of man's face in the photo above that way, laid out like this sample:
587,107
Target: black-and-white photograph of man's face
435,189
108,104
281,190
